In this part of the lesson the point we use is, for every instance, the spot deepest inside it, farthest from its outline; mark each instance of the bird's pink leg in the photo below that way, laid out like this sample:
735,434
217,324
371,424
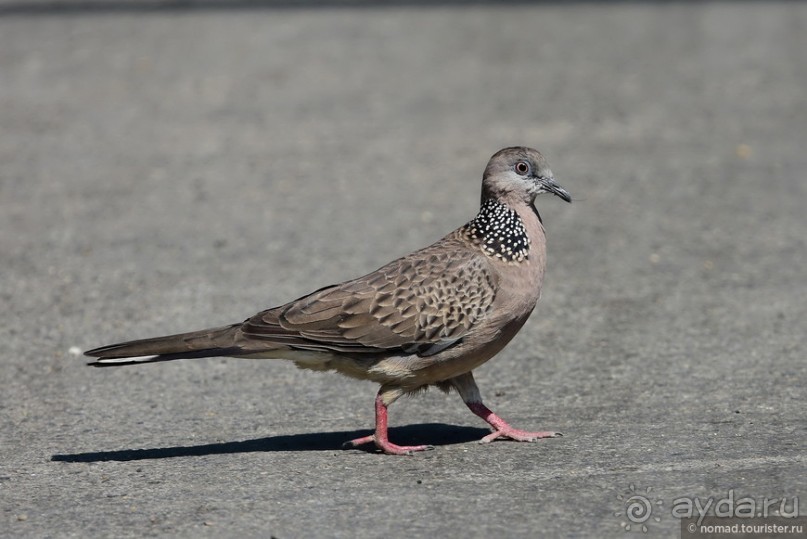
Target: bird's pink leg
501,429
469,392
380,438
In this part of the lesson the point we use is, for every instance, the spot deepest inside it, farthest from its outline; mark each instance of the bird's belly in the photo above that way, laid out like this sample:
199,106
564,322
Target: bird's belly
412,372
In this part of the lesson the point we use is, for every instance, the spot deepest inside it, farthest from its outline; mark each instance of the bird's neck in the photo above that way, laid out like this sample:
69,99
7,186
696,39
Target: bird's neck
500,231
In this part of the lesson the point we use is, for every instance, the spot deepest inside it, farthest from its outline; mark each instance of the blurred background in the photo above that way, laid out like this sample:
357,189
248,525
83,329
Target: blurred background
168,166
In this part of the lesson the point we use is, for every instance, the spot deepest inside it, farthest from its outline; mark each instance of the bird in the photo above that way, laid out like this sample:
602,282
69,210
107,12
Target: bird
426,319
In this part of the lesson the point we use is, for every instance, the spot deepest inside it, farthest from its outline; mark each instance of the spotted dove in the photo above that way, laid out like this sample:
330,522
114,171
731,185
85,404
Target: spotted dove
428,318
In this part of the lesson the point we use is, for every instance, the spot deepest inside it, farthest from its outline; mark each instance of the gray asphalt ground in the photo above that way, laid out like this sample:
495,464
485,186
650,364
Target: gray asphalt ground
164,169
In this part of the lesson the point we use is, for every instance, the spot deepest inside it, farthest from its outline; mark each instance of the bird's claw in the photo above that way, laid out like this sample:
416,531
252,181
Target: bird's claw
386,446
518,435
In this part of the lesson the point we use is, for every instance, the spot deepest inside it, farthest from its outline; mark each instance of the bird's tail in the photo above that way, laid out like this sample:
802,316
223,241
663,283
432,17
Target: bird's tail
205,343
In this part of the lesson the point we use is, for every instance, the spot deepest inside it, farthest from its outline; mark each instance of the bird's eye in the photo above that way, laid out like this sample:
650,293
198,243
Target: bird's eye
522,168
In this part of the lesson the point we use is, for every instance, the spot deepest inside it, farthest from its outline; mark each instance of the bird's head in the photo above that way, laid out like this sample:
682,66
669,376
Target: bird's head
521,173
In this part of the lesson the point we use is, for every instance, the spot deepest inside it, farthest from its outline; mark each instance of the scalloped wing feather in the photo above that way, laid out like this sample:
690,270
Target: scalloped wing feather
422,304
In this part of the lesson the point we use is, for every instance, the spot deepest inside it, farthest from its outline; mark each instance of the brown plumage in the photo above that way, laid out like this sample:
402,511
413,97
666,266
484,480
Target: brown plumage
428,318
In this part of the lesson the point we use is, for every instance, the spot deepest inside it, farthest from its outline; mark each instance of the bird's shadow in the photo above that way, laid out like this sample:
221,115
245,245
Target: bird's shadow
436,434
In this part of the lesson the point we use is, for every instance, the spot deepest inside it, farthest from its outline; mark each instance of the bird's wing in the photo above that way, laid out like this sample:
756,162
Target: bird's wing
422,303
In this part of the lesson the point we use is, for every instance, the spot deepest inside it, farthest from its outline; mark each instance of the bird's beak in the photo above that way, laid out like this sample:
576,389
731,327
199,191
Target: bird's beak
550,186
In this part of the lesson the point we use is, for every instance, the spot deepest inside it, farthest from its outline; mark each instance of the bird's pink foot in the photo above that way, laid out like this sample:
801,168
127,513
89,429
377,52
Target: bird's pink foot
501,429
380,438
518,435
386,446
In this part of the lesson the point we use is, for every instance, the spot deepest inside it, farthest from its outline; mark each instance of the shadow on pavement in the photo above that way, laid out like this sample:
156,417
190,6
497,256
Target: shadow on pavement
430,433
